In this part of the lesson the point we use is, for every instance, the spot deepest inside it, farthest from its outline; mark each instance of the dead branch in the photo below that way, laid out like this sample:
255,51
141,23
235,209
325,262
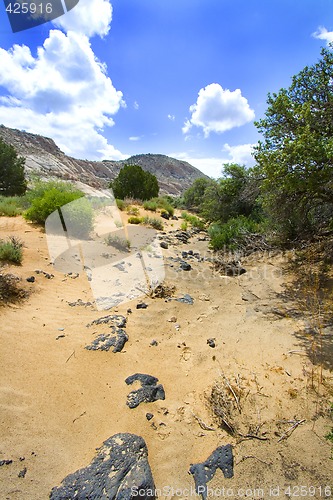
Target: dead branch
73,354
202,424
291,429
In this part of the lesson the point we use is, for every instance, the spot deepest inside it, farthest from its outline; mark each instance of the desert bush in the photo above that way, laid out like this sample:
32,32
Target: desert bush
150,205
39,188
10,291
121,204
164,202
79,217
153,222
132,210
193,220
10,206
135,220
11,250
183,225
118,242
231,234
52,199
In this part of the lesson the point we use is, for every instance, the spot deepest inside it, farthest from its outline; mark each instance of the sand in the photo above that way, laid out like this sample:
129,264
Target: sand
59,401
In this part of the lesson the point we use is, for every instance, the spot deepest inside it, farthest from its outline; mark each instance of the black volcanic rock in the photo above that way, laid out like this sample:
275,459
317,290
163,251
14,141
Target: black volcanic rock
222,458
119,471
149,391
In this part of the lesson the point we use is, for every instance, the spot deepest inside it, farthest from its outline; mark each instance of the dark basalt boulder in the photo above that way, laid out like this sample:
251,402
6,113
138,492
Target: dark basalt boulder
104,342
119,471
222,458
149,391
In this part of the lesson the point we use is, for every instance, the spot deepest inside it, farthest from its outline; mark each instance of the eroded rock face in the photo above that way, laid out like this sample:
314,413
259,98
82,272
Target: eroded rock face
43,157
119,471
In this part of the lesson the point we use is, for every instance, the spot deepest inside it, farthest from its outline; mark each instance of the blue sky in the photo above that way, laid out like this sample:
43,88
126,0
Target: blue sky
186,78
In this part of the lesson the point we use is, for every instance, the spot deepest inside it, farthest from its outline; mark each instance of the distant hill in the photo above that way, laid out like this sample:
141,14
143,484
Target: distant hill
43,157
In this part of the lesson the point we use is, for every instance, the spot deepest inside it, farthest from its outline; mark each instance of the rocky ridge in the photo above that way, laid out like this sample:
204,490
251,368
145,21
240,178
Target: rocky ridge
44,158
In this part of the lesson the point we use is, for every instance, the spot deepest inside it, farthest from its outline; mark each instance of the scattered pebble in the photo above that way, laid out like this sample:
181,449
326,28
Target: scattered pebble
149,416
142,305
5,462
211,342
185,266
22,472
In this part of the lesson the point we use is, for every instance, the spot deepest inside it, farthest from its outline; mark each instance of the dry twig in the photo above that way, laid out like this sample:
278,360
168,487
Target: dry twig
202,424
291,429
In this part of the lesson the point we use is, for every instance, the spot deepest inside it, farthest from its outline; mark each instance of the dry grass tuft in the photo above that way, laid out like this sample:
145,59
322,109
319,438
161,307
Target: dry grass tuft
10,291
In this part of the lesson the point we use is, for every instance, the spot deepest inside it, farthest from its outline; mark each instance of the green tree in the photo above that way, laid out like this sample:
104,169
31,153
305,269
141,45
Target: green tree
234,194
134,182
296,156
12,177
194,195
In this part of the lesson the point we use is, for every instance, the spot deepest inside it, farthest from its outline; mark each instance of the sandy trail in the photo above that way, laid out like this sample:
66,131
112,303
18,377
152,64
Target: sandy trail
59,401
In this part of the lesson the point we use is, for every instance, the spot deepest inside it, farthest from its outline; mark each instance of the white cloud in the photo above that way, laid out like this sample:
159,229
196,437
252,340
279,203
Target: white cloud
172,117
136,105
64,92
210,166
213,166
323,34
218,110
240,154
88,17
134,138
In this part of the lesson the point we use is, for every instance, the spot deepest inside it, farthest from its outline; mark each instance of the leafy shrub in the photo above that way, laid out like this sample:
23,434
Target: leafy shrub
132,210
193,220
121,205
183,225
9,289
231,233
150,205
80,217
11,250
153,222
50,201
40,187
10,206
117,242
164,203
135,220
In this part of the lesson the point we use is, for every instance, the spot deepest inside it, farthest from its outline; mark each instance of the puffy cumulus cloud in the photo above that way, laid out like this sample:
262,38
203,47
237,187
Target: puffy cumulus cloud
63,92
218,110
241,154
88,17
323,34
211,166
